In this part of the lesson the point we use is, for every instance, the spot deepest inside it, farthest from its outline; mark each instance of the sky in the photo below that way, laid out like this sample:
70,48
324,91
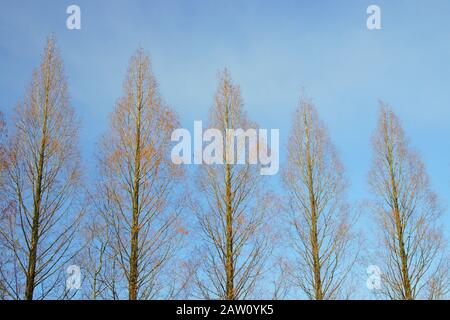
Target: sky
273,50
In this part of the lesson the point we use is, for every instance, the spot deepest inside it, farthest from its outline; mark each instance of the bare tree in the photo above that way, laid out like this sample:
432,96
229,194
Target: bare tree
232,210
3,202
412,242
319,215
99,274
136,191
3,160
2,145
42,181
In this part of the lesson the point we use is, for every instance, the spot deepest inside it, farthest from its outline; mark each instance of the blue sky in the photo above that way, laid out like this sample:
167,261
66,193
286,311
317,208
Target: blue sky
272,49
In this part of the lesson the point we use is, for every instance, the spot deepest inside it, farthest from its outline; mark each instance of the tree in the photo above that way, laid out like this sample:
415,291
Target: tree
233,208
3,203
136,191
42,181
319,215
3,158
100,274
2,145
408,212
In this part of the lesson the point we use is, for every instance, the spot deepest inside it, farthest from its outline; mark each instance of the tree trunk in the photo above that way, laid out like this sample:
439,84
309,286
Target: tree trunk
134,272
31,272
229,237
229,268
313,234
398,224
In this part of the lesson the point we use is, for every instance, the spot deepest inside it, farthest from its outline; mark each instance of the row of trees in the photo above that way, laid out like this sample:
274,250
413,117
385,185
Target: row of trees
133,231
